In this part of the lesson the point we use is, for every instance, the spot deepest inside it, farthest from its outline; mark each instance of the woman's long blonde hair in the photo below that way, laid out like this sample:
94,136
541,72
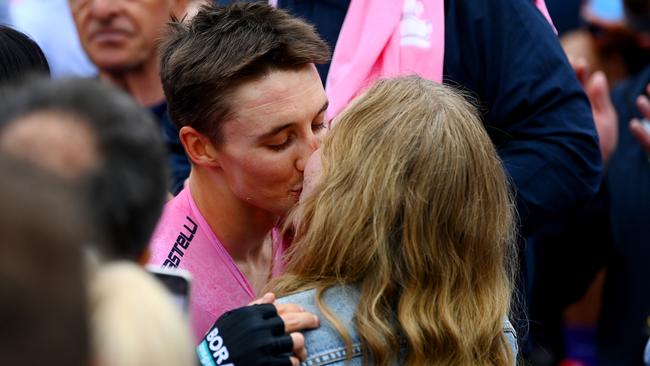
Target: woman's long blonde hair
413,207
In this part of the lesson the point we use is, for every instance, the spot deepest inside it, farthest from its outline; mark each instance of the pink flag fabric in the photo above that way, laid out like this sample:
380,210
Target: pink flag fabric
384,39
381,39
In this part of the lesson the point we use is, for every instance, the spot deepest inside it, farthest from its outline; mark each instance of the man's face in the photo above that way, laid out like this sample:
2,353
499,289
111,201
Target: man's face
120,35
278,122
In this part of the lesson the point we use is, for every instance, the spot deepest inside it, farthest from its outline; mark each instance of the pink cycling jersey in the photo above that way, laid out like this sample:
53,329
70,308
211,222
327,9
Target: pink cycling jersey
183,239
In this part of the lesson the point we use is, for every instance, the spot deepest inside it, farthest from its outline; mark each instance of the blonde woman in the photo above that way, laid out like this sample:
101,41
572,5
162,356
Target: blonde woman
404,240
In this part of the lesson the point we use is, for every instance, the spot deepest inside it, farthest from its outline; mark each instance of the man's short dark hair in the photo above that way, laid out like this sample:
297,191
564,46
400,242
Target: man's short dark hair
126,188
203,61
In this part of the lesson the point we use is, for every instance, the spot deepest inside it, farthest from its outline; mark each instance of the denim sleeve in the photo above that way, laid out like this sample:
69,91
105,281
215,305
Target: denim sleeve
511,337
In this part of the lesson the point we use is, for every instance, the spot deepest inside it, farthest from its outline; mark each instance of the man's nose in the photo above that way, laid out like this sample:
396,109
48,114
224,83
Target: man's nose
311,144
104,9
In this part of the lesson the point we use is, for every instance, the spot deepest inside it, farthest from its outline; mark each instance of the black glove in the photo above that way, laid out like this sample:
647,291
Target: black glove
248,336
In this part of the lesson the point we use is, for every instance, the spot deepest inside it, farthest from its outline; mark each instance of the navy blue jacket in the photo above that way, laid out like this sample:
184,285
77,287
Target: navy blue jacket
506,55
179,165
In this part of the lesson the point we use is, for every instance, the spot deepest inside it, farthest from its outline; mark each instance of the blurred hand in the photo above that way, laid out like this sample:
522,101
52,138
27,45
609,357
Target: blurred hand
605,116
602,108
581,68
637,129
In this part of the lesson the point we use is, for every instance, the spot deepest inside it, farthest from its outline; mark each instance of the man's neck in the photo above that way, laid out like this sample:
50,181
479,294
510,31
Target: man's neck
241,228
143,83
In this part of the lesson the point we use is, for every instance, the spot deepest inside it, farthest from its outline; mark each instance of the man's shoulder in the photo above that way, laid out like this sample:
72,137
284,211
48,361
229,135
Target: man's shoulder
177,228
175,212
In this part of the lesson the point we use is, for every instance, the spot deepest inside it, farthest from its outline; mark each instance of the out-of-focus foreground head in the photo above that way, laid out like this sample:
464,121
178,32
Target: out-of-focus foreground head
412,205
203,61
121,36
100,138
134,320
19,56
42,289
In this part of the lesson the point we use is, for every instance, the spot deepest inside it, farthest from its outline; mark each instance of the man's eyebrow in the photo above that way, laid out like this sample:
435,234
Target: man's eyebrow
279,129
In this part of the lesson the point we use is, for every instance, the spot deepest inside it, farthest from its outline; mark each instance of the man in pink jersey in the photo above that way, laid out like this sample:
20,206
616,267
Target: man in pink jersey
243,90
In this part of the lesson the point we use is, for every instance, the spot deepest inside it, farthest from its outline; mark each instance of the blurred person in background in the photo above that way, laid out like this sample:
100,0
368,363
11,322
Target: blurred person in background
603,50
20,56
50,24
99,138
624,324
612,227
605,41
43,301
121,39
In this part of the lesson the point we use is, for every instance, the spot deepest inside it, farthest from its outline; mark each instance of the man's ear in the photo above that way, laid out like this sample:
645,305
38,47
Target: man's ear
199,148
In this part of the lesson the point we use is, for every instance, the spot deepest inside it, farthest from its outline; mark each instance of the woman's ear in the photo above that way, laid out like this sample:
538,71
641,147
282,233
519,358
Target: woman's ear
199,148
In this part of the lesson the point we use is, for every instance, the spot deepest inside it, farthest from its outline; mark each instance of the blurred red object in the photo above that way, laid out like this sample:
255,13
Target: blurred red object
572,362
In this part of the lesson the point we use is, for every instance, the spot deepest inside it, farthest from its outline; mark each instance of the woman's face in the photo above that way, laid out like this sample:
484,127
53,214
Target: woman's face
311,174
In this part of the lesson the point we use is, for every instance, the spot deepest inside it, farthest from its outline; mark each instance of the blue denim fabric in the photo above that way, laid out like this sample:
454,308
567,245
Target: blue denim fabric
325,346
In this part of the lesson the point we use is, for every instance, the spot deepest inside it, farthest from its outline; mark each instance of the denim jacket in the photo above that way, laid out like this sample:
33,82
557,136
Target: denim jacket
325,346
